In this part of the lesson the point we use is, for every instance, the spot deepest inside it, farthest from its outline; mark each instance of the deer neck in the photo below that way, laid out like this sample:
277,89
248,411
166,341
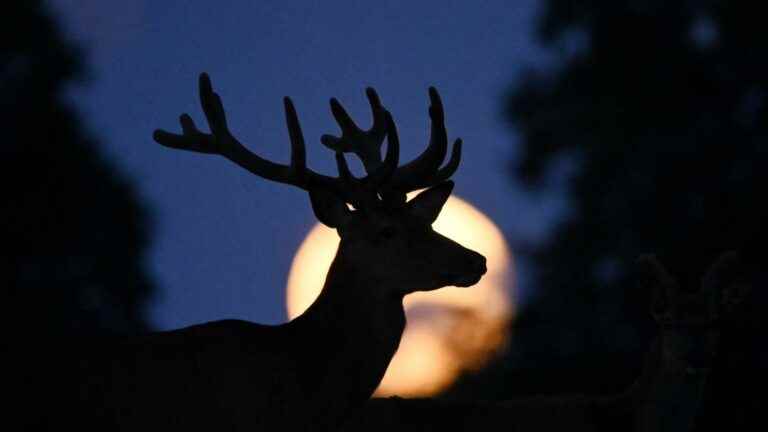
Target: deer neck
351,332
668,395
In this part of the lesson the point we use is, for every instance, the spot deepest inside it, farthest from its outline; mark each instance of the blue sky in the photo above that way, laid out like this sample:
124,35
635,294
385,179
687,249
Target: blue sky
224,239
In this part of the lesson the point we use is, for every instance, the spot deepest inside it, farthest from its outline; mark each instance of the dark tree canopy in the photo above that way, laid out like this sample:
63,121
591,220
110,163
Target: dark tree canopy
73,235
662,105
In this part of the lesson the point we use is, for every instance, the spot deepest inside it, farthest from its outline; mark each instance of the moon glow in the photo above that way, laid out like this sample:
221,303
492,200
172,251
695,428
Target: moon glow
449,330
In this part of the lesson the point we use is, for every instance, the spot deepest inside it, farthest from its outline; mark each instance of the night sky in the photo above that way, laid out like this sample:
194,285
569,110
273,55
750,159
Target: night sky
224,239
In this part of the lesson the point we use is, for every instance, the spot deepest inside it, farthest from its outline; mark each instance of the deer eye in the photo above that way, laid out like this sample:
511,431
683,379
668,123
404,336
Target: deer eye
386,233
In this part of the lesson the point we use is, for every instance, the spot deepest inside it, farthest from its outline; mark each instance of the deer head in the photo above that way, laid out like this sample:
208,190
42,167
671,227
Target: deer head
690,321
385,238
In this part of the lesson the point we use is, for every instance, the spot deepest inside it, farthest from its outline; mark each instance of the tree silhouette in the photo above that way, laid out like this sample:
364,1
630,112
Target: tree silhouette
661,105
73,233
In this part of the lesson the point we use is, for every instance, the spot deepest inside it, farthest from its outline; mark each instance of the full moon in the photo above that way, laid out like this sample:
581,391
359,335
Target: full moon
450,330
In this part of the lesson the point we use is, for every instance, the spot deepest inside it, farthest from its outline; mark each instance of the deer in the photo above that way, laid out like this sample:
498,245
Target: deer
666,397
313,371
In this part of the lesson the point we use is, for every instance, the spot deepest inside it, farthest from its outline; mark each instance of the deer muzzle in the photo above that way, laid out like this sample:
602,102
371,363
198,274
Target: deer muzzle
474,269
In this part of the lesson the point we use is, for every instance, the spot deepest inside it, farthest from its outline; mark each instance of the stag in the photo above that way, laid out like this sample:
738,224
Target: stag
312,372
666,397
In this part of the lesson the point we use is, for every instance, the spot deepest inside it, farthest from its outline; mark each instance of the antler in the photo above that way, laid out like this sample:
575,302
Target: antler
384,178
365,144
424,171
221,141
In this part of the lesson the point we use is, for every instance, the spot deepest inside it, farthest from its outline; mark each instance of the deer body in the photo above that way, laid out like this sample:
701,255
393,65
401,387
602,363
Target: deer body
309,373
312,372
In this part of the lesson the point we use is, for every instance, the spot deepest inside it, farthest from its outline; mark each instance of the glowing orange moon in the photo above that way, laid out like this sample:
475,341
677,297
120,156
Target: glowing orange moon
449,330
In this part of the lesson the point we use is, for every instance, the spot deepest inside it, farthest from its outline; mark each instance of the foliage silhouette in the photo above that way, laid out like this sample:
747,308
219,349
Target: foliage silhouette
73,233
661,105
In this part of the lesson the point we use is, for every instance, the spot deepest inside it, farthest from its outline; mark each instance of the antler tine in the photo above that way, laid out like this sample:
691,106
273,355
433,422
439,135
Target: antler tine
297,173
365,191
424,170
344,172
359,194
438,177
384,173
365,144
298,148
221,141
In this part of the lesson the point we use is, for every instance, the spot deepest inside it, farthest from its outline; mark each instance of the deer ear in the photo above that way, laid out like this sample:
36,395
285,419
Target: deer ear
722,272
654,277
724,281
329,209
427,205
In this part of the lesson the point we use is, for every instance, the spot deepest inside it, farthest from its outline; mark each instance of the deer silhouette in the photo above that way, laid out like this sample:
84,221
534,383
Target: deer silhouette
311,372
665,398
